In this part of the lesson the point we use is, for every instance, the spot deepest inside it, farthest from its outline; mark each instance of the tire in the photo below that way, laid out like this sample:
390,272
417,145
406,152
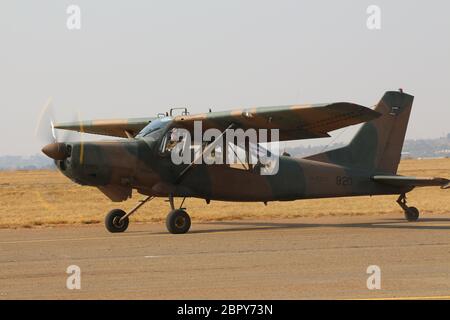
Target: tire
112,223
178,222
412,214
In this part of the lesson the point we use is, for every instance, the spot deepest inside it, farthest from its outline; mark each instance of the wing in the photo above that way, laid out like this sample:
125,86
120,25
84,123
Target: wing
294,122
401,181
122,128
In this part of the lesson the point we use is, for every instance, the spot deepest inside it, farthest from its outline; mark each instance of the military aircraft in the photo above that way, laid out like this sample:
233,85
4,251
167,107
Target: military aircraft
140,159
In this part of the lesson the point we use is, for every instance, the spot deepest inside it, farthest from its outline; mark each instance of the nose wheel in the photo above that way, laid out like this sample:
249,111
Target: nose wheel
411,213
116,221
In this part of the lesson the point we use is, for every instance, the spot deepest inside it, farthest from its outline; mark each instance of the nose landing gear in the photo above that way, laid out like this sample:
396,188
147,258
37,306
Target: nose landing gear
411,213
117,220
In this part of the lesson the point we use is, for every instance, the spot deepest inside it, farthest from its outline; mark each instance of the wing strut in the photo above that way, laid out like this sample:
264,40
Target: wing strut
208,148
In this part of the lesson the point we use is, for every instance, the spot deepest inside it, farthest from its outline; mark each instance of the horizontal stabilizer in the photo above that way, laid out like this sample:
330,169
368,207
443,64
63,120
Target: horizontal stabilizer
401,181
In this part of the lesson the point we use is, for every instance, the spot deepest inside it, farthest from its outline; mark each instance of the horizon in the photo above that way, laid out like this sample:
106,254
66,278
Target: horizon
283,144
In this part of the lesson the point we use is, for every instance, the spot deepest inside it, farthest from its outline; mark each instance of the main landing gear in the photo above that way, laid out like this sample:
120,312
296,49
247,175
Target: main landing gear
177,221
411,213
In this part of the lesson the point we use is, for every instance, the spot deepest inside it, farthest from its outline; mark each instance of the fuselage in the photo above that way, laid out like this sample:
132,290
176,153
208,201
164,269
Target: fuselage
118,167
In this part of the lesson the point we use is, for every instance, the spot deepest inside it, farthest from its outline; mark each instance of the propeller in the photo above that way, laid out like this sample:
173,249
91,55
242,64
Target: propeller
55,147
45,130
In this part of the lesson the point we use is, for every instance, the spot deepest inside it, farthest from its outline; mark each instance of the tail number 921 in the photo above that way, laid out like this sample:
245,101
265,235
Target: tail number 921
344,181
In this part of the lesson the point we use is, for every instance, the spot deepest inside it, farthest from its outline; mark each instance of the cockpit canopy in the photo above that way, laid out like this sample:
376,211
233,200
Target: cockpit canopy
155,129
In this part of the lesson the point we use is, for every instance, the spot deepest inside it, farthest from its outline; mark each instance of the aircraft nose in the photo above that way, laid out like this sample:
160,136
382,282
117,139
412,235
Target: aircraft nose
57,151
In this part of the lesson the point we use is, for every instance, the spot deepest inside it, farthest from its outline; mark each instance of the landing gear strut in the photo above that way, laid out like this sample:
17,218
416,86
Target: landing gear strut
411,213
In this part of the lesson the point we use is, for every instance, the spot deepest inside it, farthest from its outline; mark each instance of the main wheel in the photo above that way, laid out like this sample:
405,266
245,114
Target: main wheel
113,223
178,222
412,214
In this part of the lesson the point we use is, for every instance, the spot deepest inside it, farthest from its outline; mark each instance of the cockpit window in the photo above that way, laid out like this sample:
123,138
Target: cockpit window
154,128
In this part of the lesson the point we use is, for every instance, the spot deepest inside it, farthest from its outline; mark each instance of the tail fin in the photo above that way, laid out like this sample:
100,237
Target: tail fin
378,144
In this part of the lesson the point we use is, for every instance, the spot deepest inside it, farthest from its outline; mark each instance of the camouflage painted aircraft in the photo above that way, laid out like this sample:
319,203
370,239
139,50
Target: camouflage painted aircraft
139,161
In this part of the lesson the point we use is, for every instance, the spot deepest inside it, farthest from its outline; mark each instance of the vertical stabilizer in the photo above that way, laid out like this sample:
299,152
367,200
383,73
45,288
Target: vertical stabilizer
378,144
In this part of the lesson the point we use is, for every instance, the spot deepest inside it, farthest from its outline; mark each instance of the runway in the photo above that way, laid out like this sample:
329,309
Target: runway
307,258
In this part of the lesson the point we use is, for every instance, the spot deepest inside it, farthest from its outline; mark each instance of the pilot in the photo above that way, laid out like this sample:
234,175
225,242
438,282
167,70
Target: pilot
174,139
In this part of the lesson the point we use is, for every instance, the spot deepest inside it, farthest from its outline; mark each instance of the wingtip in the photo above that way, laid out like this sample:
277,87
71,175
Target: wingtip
67,125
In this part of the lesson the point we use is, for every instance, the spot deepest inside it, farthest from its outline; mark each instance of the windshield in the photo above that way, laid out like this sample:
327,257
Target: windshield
155,128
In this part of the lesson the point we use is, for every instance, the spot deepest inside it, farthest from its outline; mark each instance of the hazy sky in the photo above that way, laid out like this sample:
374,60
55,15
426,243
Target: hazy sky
138,58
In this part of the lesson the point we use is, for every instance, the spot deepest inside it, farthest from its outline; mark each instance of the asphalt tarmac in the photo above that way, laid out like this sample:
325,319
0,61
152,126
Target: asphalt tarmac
307,258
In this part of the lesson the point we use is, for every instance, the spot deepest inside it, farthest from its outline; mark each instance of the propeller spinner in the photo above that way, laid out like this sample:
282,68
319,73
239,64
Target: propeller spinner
47,134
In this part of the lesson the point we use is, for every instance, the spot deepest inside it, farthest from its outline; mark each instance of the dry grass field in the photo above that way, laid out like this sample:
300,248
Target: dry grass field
44,198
